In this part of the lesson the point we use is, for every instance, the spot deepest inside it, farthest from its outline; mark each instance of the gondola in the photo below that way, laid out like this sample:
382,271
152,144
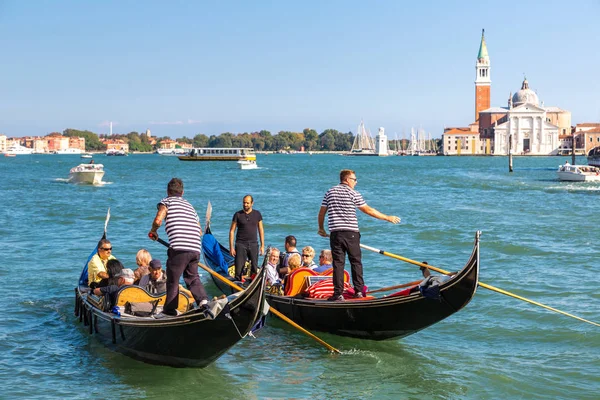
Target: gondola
192,339
380,318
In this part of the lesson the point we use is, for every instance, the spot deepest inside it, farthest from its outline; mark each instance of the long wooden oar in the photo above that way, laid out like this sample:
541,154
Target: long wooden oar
483,285
271,309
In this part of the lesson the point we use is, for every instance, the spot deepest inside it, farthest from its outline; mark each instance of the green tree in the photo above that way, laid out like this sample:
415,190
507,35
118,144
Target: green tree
328,141
92,141
200,140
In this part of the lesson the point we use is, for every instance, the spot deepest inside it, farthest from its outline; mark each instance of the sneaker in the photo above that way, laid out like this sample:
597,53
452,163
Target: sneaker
336,297
358,295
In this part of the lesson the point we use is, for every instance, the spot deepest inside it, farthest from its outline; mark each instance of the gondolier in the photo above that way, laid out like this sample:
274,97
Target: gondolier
184,231
340,203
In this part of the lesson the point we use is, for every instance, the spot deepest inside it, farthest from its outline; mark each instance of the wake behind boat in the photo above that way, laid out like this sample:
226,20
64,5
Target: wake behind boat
376,318
87,173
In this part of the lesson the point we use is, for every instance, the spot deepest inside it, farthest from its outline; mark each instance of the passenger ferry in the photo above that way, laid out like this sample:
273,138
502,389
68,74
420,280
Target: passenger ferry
220,154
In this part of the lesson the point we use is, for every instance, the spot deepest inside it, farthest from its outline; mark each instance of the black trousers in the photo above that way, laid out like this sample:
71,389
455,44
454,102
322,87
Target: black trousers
182,262
342,243
245,251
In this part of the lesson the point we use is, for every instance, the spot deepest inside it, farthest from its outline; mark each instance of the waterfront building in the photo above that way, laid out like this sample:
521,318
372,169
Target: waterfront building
587,136
3,145
533,128
381,143
116,145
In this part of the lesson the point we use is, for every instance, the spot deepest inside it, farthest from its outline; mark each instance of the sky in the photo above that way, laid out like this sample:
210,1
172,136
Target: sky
180,68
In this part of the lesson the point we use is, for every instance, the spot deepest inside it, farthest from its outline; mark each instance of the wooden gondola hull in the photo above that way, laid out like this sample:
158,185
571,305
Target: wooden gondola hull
387,317
189,340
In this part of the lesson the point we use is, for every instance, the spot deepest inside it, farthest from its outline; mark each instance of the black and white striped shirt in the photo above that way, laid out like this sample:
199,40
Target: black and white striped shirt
182,224
341,202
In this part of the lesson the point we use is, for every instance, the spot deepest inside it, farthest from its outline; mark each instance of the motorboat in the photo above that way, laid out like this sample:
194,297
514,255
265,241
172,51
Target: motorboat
113,152
86,155
87,173
17,149
578,173
70,150
247,164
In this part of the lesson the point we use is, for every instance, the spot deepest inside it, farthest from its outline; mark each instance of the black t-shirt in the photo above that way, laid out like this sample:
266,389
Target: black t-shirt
247,225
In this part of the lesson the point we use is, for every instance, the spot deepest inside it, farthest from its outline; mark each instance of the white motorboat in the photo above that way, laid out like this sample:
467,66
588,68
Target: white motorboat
113,152
86,155
17,149
70,150
578,173
247,164
87,173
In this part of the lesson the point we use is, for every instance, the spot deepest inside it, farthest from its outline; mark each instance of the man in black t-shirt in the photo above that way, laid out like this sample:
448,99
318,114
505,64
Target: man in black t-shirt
247,222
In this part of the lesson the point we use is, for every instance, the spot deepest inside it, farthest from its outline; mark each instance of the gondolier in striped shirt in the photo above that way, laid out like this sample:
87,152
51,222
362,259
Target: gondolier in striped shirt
340,204
185,238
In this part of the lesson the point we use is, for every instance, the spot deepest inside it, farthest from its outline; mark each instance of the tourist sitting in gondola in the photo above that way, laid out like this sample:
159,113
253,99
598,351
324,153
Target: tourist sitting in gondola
272,275
290,249
125,277
308,255
97,265
325,261
113,268
142,259
156,281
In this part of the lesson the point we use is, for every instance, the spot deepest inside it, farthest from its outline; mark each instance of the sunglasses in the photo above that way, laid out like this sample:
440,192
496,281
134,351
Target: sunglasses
305,255
106,248
354,179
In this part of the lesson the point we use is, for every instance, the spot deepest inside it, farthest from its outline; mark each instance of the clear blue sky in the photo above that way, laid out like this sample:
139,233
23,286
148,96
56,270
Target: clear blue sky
188,67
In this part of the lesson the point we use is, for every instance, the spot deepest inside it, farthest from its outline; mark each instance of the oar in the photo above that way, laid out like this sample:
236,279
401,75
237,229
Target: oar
274,311
483,285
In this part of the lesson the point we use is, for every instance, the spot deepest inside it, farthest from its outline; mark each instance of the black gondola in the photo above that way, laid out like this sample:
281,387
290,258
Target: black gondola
384,317
191,339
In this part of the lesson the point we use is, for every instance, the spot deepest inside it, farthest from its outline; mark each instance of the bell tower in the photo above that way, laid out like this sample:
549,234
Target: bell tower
482,78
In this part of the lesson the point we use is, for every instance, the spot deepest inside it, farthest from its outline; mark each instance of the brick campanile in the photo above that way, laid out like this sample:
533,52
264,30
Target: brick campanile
482,80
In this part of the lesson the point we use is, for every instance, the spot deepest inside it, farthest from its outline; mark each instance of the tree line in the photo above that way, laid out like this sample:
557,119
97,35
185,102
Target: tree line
309,139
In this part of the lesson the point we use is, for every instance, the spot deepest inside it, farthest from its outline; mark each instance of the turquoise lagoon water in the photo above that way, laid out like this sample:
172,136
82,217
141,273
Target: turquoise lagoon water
539,240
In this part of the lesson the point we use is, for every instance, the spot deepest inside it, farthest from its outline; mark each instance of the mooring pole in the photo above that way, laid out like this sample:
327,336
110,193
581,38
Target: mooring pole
573,152
510,165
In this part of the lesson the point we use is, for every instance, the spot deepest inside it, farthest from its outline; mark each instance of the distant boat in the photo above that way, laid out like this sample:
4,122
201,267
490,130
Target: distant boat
87,173
86,155
113,152
9,155
17,149
172,152
578,173
70,150
363,143
594,157
247,164
220,154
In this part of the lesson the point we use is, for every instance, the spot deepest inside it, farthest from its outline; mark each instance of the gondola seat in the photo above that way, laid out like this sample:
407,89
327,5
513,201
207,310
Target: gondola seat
296,281
136,294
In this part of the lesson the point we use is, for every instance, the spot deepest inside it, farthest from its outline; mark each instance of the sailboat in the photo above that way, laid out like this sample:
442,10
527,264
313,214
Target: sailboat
363,143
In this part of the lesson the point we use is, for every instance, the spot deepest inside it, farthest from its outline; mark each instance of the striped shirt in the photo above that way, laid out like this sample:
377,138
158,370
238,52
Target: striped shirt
182,224
341,202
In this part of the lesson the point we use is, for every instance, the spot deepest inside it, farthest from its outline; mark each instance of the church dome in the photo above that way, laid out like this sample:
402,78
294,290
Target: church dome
525,95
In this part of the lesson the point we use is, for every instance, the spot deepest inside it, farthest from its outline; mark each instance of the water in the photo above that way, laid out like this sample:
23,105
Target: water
539,241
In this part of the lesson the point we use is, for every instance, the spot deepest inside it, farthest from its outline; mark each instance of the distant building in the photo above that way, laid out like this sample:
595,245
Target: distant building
533,128
3,145
587,136
116,145
148,134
